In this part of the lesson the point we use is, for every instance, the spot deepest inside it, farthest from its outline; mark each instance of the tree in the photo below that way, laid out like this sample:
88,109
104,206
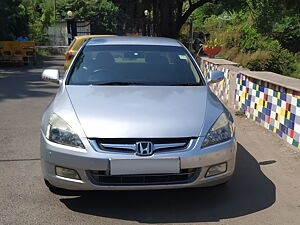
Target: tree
278,19
102,14
166,16
169,16
40,16
13,19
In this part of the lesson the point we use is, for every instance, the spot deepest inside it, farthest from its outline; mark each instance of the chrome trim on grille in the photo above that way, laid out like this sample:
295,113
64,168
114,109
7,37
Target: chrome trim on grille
171,145
119,146
131,148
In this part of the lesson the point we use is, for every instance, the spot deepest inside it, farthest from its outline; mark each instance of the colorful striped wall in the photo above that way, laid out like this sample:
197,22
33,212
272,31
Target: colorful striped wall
272,105
276,108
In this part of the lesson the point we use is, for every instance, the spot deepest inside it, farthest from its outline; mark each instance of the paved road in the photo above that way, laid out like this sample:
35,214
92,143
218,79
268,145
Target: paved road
264,190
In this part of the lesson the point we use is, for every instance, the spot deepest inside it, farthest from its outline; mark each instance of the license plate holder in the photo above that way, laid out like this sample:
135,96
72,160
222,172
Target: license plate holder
144,166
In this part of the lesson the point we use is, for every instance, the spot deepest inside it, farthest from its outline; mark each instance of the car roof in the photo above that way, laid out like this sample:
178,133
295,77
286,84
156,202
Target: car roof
133,40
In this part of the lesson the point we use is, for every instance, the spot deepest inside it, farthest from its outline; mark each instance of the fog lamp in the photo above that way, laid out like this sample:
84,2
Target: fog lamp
65,172
216,169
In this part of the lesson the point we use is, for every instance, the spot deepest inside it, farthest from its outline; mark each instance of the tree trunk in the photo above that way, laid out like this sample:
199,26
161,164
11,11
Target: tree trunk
168,16
164,18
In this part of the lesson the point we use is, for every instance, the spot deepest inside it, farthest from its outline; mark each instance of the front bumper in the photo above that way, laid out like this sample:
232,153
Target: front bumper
53,154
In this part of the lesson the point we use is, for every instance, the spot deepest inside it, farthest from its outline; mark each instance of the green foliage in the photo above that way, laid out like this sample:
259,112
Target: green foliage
223,9
260,35
249,39
29,17
33,17
278,19
103,14
40,13
213,42
108,20
264,13
13,19
287,32
203,13
296,67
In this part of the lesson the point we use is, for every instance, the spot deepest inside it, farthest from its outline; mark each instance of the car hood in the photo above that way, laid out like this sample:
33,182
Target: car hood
140,111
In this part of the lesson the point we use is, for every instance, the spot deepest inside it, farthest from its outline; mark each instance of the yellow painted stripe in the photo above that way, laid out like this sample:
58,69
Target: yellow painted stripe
282,112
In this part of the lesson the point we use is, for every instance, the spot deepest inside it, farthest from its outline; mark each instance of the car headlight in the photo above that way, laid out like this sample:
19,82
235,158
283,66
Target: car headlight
60,132
221,131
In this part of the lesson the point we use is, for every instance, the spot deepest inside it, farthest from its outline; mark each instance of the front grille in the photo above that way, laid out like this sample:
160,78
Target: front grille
101,178
128,145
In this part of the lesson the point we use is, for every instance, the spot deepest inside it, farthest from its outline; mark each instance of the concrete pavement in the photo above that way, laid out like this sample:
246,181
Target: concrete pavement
264,190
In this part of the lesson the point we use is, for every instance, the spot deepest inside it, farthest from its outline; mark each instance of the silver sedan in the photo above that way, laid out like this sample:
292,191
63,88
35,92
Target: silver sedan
135,113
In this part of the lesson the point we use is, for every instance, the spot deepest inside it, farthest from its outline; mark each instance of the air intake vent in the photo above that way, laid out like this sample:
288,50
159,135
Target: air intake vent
185,176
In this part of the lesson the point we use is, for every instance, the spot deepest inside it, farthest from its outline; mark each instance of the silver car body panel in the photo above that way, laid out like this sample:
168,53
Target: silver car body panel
140,111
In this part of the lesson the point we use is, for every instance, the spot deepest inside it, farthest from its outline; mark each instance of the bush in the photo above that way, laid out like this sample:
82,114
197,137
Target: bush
242,43
250,40
287,31
282,62
296,67
258,60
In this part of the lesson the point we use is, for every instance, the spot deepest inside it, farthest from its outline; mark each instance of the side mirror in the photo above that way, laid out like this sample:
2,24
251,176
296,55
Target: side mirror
51,75
215,76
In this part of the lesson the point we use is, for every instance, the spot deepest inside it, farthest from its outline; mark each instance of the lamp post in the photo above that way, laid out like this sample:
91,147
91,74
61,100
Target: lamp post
146,27
70,14
191,32
71,27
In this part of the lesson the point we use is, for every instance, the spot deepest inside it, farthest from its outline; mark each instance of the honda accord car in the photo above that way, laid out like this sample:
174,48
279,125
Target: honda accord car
135,113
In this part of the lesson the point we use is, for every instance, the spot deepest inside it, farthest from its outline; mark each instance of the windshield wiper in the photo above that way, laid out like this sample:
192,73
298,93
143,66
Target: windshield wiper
123,83
118,83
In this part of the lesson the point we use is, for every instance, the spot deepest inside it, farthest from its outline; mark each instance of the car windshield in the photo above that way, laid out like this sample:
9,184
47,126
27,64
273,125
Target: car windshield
134,65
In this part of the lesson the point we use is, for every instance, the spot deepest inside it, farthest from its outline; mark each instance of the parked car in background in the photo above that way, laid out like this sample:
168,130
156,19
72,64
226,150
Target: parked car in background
75,45
135,113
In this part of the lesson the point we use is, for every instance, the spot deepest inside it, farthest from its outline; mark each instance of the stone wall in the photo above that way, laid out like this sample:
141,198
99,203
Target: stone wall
58,34
270,99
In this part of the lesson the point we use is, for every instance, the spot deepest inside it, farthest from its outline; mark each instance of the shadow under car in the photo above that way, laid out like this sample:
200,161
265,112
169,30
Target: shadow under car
247,192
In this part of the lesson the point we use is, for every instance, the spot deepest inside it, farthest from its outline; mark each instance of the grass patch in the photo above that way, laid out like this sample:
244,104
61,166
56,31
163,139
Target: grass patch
239,114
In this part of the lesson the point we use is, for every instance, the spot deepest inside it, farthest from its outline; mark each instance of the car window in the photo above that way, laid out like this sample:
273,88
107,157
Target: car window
134,65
